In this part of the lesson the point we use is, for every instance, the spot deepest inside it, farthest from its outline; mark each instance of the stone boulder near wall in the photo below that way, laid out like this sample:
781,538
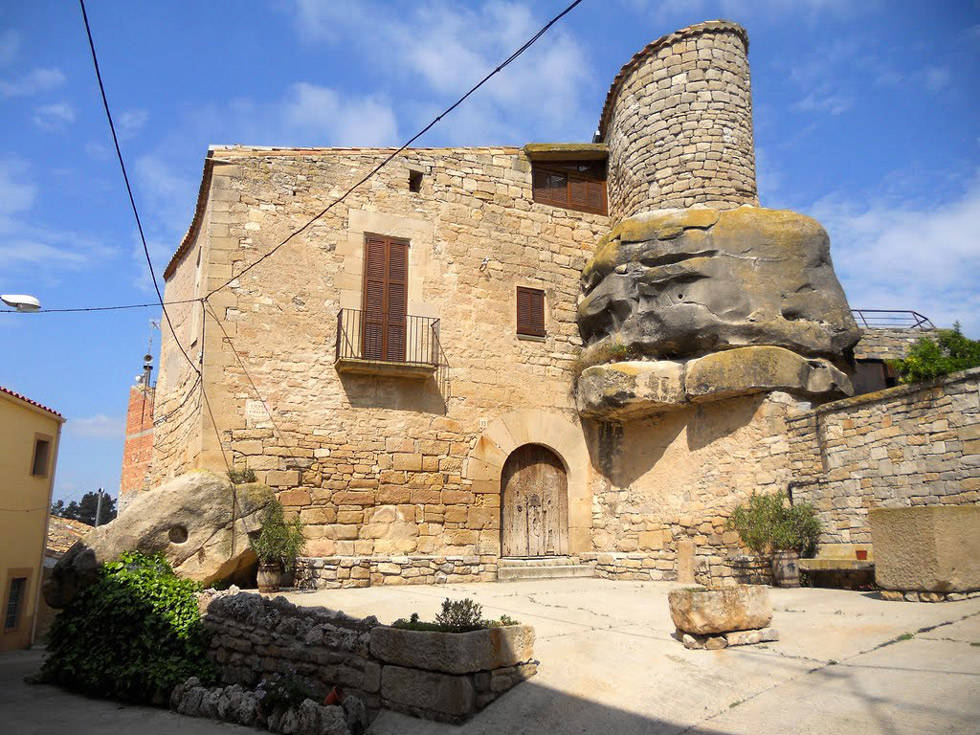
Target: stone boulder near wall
711,611
199,521
683,283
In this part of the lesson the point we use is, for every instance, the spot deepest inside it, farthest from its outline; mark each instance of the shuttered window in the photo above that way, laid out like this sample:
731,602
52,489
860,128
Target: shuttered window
385,302
578,186
530,311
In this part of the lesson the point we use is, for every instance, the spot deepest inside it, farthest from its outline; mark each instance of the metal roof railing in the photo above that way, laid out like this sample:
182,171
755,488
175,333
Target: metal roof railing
891,319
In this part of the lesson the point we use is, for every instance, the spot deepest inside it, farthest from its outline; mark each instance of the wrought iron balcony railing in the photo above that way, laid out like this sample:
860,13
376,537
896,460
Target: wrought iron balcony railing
891,319
372,342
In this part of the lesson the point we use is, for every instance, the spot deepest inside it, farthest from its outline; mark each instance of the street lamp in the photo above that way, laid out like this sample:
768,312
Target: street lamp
21,302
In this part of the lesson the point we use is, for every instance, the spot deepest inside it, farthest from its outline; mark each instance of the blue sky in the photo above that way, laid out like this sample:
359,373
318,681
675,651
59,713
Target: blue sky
866,117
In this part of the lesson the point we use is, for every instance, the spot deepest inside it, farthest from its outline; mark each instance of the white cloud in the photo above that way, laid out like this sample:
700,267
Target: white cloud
360,121
44,252
694,11
130,122
440,50
33,82
905,255
824,100
9,45
99,425
54,117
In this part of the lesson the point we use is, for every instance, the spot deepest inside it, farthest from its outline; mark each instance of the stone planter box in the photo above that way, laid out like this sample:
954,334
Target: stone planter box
450,676
716,618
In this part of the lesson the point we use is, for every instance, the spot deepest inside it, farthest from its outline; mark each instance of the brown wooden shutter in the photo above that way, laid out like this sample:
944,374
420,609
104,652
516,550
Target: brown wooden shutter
385,299
530,311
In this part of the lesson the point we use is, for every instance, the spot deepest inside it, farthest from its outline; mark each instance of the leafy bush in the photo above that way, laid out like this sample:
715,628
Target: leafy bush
949,353
767,523
457,616
133,634
279,541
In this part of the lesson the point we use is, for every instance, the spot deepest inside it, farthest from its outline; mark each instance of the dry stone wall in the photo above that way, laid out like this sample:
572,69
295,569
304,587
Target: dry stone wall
889,344
357,571
905,446
678,123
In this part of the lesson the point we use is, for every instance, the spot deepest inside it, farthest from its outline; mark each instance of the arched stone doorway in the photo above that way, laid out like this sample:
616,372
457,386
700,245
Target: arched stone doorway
534,503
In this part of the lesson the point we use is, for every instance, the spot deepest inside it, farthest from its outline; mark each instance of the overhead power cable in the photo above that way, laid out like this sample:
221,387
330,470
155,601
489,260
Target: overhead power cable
509,60
129,189
117,307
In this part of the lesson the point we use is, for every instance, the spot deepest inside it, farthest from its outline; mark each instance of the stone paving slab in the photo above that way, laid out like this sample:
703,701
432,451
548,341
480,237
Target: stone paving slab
610,665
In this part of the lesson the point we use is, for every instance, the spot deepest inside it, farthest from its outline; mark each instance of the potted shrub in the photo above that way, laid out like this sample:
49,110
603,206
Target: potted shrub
277,546
777,531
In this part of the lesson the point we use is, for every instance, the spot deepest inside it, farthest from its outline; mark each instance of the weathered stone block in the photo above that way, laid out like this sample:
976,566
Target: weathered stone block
454,653
708,611
927,548
408,689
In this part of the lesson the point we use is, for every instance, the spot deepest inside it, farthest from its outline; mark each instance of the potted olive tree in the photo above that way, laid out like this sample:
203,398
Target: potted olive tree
277,546
779,532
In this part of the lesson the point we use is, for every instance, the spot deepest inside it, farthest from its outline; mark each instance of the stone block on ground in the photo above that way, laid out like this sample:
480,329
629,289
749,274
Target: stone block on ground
712,611
927,548
420,692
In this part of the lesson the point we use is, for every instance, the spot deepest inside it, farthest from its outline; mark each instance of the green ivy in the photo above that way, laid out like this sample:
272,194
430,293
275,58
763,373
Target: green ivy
134,634
950,352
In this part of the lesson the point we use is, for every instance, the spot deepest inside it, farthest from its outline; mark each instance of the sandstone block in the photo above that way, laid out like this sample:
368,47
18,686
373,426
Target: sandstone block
454,653
927,548
403,688
282,478
711,611
630,390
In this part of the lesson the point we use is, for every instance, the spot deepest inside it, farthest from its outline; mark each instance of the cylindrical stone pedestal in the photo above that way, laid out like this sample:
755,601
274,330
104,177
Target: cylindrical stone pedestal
678,123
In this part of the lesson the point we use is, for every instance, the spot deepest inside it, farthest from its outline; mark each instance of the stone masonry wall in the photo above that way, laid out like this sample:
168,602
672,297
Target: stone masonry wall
678,123
375,465
676,478
904,446
888,344
337,572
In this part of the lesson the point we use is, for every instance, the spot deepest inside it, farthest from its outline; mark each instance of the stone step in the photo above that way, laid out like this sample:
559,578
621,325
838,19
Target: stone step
556,571
538,561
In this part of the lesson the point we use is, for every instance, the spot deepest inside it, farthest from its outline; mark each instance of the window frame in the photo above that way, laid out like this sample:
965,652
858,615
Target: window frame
46,470
13,575
566,169
531,330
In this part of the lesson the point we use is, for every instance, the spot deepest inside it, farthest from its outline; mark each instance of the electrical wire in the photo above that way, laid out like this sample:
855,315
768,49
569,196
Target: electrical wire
129,189
118,307
509,60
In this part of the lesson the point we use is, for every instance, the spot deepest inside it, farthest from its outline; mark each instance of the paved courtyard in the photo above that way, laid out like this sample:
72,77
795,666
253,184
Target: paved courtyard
845,664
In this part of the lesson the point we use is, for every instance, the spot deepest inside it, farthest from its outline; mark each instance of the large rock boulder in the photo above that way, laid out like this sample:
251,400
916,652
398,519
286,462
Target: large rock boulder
710,611
635,389
199,521
683,283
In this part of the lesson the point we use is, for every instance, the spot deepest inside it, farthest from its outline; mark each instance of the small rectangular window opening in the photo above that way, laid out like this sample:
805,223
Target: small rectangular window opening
415,181
530,311
42,452
15,600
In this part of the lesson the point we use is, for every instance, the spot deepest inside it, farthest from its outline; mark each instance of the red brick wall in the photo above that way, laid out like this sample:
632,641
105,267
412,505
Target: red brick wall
139,443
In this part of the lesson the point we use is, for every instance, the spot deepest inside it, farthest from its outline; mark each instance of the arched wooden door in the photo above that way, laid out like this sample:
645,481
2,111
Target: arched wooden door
534,503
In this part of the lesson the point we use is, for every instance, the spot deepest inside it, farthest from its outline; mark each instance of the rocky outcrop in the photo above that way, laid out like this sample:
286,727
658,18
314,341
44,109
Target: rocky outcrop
682,283
199,521
635,389
712,611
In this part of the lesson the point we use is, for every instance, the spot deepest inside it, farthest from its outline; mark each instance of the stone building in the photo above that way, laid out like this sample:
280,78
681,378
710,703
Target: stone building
582,353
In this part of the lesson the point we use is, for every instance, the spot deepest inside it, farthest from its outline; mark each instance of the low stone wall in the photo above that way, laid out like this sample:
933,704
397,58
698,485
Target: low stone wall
438,676
362,571
889,344
710,565
905,446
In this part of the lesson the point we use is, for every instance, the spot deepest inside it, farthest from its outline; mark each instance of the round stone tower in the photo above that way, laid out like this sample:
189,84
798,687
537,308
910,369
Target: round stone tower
678,123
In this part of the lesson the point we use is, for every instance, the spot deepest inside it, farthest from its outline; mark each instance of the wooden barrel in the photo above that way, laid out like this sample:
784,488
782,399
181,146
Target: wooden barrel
786,569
